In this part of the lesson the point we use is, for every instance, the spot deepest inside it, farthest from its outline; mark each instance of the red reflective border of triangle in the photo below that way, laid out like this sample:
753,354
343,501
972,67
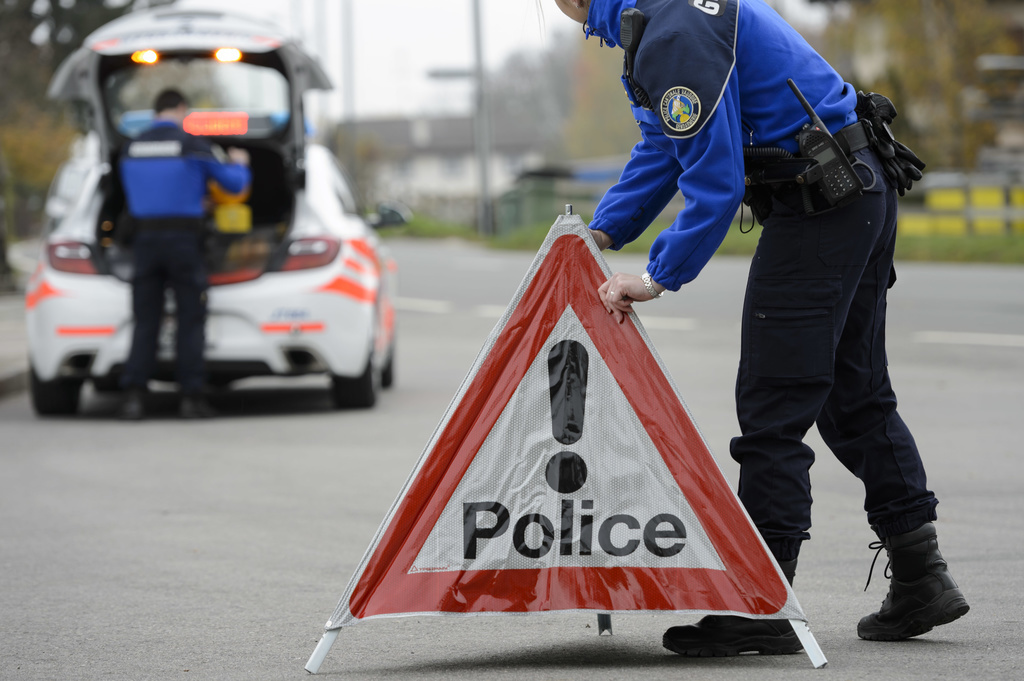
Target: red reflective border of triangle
569,275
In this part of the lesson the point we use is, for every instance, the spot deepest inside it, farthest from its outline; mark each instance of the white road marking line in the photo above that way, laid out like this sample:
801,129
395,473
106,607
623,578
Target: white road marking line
489,311
669,323
424,305
1003,340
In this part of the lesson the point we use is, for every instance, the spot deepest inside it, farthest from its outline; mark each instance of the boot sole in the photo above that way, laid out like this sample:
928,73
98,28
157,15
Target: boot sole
759,646
951,606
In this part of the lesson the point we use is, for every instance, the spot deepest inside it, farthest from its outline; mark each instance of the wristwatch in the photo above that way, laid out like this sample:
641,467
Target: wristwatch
649,285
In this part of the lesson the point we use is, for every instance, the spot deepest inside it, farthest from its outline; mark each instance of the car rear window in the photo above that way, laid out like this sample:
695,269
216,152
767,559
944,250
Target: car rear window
234,98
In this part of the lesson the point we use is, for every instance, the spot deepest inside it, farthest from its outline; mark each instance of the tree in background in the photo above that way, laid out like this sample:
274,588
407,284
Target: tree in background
922,53
600,122
35,36
360,157
535,87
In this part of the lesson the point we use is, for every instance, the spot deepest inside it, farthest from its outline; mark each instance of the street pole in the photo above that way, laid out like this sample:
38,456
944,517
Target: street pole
482,128
348,80
6,225
298,30
323,106
6,278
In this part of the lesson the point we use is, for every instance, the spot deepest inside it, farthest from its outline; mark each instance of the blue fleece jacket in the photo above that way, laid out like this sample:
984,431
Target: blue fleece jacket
164,172
715,72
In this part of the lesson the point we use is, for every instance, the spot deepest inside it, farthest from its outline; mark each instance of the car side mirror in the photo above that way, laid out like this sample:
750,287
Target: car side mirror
389,214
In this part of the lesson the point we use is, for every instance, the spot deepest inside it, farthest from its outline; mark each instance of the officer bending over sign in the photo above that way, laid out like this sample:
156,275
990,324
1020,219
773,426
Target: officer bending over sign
164,172
719,122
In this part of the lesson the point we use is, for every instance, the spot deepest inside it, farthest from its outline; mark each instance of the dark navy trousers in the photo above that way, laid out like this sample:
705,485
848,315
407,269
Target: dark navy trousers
813,351
174,258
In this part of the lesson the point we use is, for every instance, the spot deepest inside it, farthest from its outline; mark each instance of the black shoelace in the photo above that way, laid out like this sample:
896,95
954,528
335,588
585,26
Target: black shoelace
878,545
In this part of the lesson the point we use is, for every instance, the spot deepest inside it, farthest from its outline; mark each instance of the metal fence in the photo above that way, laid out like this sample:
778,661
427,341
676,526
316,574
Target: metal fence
959,204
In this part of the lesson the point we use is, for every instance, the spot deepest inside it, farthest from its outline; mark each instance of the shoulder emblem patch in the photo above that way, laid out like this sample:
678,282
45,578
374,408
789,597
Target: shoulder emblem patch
680,109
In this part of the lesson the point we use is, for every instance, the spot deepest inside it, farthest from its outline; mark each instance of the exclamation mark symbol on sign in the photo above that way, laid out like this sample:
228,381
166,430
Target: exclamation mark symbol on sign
566,471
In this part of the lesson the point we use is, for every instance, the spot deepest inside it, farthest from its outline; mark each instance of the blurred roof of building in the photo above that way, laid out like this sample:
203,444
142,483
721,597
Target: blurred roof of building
446,135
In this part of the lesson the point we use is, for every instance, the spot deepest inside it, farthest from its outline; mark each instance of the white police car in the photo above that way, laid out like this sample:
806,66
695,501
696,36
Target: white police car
300,283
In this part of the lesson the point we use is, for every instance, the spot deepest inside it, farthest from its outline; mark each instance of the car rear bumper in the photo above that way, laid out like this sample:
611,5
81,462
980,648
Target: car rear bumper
284,323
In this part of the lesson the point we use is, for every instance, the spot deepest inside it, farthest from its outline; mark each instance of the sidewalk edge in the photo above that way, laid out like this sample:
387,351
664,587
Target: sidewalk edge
13,381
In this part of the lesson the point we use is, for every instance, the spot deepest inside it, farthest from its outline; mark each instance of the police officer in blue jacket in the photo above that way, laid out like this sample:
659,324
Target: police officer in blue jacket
164,172
707,80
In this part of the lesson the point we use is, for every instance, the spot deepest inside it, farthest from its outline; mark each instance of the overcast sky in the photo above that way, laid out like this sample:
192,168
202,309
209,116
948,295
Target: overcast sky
399,41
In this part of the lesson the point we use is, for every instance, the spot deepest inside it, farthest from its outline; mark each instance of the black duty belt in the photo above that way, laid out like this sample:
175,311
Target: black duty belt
852,138
772,170
178,224
775,165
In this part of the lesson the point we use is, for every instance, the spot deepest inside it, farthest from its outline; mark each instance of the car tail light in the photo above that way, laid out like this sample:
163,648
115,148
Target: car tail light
234,277
71,256
304,254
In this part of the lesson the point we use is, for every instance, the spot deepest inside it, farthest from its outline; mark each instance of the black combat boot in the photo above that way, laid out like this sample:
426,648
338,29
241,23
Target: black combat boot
922,594
727,635
132,408
196,407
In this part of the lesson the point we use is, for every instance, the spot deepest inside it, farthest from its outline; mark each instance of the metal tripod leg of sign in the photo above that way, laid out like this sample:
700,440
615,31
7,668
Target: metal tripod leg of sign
604,623
803,632
317,658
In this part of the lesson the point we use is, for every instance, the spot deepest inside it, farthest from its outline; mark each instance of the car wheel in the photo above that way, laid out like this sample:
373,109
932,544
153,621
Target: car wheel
106,384
387,374
356,393
219,382
53,398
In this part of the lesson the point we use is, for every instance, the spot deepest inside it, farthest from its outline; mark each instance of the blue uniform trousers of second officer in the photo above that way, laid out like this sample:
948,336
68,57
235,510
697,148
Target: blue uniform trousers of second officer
813,351
168,257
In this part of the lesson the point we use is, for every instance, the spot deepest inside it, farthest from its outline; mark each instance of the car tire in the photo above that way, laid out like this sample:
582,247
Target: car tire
356,393
219,382
106,384
54,398
387,374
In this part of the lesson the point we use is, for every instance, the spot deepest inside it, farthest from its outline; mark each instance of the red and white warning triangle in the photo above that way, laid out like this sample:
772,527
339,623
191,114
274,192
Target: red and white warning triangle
566,474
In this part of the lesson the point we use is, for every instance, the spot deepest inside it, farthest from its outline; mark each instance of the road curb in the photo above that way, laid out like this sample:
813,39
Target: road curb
13,381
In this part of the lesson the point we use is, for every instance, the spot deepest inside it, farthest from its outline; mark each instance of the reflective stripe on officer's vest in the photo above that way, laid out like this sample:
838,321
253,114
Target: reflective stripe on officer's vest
154,149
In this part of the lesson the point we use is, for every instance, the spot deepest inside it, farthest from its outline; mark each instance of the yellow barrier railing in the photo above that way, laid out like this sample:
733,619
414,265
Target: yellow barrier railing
956,205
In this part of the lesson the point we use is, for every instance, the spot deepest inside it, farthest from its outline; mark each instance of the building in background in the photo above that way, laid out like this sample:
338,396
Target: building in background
430,163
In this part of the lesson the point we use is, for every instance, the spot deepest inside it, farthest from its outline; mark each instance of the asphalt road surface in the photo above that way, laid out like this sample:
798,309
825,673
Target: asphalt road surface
216,550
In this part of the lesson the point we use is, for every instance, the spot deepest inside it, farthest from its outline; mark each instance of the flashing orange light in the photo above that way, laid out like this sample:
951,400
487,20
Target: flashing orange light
228,54
205,123
145,57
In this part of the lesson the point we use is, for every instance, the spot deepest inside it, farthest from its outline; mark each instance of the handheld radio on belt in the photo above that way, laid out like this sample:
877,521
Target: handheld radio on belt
839,183
631,30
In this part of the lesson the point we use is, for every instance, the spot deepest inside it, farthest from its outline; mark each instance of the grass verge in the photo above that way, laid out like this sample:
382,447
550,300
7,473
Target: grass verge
427,228
1008,248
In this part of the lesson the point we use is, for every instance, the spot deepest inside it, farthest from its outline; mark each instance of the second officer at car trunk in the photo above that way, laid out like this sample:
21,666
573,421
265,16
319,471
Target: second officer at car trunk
165,172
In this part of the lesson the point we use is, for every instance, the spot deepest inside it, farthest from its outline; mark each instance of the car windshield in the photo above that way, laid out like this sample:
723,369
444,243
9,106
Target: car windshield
233,98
